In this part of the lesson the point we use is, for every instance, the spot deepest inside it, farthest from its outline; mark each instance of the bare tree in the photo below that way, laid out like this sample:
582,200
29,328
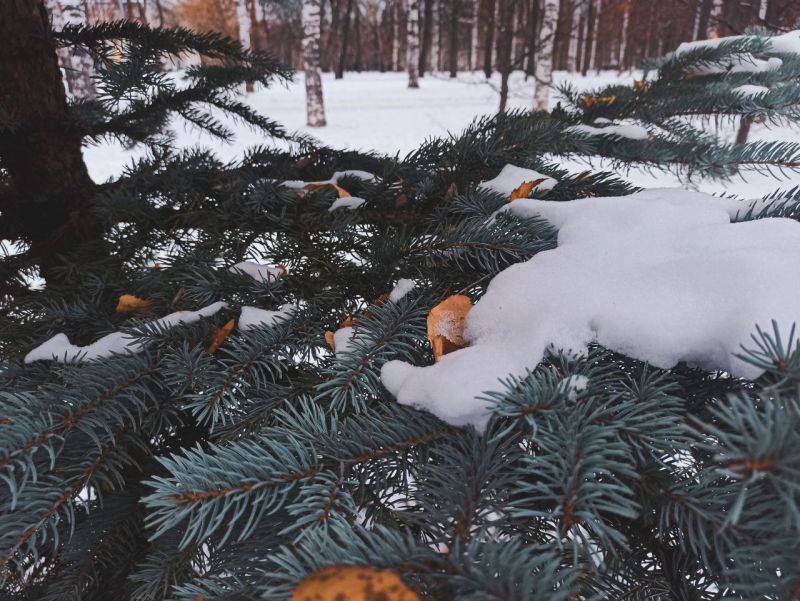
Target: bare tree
77,65
245,23
412,48
544,56
312,23
345,38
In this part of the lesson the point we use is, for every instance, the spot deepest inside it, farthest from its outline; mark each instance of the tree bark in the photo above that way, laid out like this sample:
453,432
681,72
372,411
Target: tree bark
412,46
245,25
504,43
544,56
312,23
357,62
343,40
427,33
744,130
78,65
453,42
396,35
533,29
50,198
488,63
587,43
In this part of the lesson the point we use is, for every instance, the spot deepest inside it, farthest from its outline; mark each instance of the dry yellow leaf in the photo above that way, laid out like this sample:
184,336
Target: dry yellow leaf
446,324
219,336
640,86
524,189
341,192
589,101
353,583
128,303
330,340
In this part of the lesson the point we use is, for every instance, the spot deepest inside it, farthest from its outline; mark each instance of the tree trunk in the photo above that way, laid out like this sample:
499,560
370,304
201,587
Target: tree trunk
488,64
357,62
744,130
312,22
427,32
412,46
78,65
343,40
504,43
245,25
533,28
453,42
436,42
587,43
473,42
396,36
50,197
544,56
623,44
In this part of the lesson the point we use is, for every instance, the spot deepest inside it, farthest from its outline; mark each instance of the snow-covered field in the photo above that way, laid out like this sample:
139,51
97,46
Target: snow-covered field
376,111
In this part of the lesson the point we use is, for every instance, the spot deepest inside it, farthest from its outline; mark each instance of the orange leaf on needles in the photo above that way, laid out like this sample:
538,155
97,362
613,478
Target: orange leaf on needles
330,340
446,324
524,189
353,583
128,303
219,336
341,192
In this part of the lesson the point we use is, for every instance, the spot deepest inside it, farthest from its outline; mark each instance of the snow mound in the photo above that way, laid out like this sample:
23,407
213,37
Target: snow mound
403,287
348,202
622,130
59,348
749,90
253,317
262,273
512,177
662,276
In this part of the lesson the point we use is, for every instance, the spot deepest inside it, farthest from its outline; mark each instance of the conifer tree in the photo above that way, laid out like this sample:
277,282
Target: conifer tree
195,402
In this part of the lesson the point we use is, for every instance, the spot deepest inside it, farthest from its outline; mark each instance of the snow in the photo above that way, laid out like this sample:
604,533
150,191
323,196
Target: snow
348,202
662,276
512,177
377,111
262,273
749,90
343,339
253,317
788,43
59,348
623,130
403,287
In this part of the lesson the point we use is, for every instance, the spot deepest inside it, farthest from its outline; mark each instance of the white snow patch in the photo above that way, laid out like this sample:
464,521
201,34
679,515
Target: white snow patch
788,43
662,276
59,348
348,202
403,287
512,177
262,273
623,130
253,317
343,339
749,90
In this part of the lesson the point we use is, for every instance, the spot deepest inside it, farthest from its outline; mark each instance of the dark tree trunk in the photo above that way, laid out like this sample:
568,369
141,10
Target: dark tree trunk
427,34
579,49
333,41
488,67
705,15
587,43
744,130
533,36
49,202
454,16
357,62
343,40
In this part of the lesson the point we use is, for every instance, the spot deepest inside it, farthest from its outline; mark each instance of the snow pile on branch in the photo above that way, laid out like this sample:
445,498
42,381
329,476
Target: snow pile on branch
59,348
253,317
262,273
662,276
744,62
334,179
401,289
631,131
348,202
512,177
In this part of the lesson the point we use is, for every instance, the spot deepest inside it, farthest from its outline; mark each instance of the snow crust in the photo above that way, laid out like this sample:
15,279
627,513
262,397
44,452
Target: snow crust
403,287
59,348
262,273
348,202
253,317
512,177
623,130
662,276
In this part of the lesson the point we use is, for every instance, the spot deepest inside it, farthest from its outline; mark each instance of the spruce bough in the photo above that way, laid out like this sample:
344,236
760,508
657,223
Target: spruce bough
177,470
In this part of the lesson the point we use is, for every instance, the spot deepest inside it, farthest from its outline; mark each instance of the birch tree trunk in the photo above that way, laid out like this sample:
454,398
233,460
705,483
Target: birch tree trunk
412,47
544,56
312,23
77,65
473,43
245,24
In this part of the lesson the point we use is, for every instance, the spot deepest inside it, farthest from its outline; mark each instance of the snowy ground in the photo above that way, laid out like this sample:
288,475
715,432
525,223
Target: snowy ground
376,111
